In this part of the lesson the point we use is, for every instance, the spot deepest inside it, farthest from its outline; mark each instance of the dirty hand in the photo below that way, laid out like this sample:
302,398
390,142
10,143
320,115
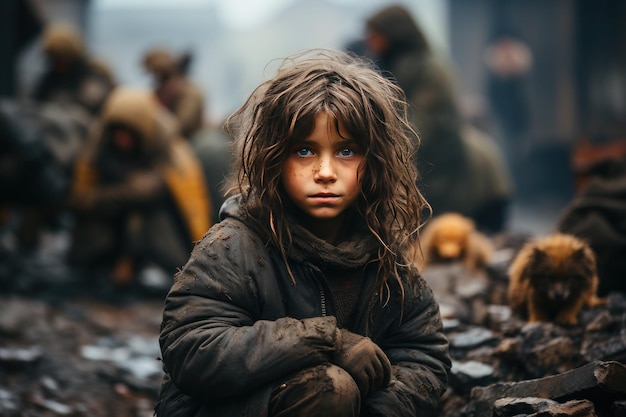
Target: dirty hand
146,183
364,361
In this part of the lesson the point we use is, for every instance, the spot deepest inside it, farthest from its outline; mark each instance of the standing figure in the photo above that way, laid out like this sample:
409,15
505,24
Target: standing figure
72,76
175,90
139,193
462,168
508,61
303,301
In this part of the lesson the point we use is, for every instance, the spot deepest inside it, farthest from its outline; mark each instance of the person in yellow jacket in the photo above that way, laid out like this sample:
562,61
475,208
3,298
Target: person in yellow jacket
139,194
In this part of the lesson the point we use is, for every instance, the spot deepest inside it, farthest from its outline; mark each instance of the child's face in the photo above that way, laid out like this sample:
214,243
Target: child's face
320,173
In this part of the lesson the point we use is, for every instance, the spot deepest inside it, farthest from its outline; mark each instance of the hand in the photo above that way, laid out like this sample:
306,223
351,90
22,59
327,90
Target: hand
148,182
364,361
84,201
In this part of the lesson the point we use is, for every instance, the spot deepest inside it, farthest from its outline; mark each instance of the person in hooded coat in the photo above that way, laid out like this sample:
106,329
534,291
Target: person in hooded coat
597,214
139,192
71,75
462,169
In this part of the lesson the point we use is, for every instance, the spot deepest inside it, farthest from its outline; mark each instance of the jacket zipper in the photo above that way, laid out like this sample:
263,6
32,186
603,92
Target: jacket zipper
322,296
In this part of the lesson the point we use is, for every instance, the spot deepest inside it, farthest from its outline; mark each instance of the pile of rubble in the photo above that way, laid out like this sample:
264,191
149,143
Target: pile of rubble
66,350
503,366
78,357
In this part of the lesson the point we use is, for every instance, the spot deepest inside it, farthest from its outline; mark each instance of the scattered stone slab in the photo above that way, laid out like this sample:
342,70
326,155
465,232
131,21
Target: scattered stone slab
472,338
601,382
465,375
539,407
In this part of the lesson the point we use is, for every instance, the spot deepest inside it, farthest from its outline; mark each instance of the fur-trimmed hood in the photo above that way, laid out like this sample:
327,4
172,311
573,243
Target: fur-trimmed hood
139,110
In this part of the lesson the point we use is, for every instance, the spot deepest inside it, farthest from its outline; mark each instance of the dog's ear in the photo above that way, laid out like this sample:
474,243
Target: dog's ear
585,259
538,256
579,255
535,259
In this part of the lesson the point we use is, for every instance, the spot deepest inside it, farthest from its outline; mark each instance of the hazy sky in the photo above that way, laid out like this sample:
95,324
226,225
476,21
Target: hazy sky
233,40
239,14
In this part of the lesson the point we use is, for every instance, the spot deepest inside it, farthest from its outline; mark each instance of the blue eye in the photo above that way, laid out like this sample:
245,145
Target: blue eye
303,151
346,152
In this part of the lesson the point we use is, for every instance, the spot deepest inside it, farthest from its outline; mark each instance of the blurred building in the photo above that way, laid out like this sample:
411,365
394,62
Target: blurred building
575,87
20,23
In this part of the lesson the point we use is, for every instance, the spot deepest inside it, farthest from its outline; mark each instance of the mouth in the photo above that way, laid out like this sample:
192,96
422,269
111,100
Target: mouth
324,197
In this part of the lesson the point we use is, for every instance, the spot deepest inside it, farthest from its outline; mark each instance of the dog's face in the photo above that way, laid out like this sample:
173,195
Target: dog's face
451,239
560,274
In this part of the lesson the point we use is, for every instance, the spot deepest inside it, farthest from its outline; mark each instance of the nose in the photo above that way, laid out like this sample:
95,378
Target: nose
326,170
559,292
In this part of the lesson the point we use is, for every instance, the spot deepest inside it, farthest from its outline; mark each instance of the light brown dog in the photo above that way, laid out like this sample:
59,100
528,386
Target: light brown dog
453,237
552,279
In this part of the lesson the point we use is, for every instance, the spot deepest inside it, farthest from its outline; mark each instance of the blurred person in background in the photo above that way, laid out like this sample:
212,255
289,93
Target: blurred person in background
71,75
184,99
461,167
38,144
140,198
175,90
597,214
508,60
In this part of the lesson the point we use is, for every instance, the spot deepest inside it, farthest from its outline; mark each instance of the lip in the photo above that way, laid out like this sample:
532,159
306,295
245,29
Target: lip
324,197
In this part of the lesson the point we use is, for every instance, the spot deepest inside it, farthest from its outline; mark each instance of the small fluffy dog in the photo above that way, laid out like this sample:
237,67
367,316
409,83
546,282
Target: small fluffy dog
552,279
452,237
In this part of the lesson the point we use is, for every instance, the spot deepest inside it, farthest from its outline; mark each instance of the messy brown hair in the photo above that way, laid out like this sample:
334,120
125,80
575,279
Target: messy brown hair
372,110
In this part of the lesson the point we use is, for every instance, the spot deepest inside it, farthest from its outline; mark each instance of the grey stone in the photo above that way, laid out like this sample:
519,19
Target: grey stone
604,382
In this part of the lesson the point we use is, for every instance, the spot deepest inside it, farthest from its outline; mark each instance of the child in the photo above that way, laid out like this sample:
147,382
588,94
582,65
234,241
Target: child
302,301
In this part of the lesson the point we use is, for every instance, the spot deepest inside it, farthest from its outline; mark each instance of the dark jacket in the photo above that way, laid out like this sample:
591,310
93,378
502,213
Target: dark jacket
234,325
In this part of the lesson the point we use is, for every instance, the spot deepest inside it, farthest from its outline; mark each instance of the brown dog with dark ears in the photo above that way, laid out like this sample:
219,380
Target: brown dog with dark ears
552,279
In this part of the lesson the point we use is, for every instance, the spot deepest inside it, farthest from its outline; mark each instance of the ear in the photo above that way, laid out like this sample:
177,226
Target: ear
538,256
585,258
579,255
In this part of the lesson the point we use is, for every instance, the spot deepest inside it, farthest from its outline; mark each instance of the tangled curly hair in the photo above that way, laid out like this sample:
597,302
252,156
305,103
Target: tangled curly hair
373,111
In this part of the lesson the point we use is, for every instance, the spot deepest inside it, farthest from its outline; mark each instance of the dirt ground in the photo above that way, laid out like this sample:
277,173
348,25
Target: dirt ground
77,357
71,345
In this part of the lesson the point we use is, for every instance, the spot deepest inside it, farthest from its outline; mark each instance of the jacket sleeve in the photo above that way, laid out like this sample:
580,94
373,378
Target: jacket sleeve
418,351
140,190
213,344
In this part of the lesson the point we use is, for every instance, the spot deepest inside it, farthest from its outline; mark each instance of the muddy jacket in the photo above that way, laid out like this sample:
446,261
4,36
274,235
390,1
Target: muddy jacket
104,186
234,325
